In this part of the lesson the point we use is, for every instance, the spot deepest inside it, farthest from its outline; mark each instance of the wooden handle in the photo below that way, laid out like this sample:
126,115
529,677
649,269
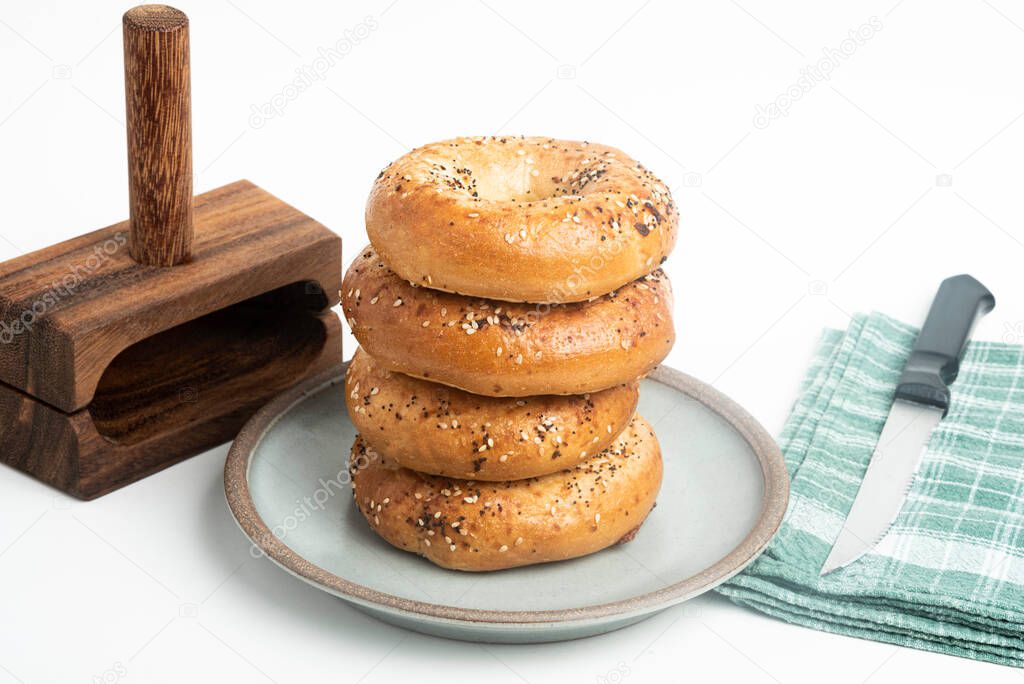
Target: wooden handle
159,101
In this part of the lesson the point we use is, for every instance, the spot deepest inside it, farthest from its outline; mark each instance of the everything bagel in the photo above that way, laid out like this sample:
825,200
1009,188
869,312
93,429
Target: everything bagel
521,219
435,429
506,349
466,525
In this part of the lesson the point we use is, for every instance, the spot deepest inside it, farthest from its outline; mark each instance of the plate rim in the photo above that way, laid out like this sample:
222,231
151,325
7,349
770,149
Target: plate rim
773,506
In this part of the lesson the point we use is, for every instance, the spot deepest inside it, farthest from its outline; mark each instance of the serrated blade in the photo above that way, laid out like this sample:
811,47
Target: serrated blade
886,482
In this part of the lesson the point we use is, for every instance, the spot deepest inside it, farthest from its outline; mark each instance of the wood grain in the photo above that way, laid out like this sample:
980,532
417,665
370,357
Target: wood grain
68,310
155,424
113,366
158,103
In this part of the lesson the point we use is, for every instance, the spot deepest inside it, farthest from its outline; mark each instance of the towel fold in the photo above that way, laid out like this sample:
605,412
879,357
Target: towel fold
949,574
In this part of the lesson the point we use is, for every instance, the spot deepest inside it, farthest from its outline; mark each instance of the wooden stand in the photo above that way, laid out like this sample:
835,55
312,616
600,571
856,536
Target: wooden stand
138,345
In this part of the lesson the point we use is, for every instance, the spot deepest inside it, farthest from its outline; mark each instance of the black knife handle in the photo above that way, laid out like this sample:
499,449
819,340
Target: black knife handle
935,359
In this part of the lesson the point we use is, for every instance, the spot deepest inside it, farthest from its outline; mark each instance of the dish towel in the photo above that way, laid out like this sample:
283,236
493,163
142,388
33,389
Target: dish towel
949,574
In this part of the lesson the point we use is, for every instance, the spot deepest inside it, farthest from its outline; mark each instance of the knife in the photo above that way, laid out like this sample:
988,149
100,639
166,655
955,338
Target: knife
922,400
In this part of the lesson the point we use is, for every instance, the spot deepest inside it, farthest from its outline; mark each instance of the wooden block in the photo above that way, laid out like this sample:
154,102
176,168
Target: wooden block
141,423
66,311
111,370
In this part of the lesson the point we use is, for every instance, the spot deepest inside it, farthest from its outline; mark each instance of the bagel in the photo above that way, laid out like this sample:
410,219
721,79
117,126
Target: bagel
439,430
504,349
521,219
466,525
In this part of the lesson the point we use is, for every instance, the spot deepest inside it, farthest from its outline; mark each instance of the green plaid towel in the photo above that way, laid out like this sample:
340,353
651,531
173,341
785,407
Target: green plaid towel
949,575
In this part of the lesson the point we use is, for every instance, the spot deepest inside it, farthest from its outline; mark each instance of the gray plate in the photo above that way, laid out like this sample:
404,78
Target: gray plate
724,493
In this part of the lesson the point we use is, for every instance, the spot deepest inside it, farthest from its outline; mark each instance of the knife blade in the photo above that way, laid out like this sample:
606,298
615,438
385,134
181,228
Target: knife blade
921,402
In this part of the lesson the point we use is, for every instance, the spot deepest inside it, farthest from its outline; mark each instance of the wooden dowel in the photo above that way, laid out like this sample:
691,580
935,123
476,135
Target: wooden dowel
158,99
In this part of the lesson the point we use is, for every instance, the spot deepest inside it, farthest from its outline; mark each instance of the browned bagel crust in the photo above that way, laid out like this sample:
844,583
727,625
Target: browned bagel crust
505,349
521,219
436,429
466,525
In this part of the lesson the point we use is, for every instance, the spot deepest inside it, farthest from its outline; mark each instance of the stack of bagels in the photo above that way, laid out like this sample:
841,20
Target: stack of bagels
508,305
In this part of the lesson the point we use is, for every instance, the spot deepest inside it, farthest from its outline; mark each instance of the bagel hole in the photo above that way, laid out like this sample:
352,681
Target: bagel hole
211,371
513,180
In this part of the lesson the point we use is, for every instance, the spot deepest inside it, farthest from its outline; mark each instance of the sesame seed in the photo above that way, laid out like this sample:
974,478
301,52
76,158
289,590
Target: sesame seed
520,152
497,352
437,515
519,540
490,442
398,302
425,324
374,391
625,344
473,215
503,458
522,233
503,548
597,517
509,238
452,547
483,447
427,542
519,358
455,424
374,300
418,495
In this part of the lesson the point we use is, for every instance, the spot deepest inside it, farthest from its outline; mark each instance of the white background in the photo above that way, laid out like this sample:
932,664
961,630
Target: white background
903,168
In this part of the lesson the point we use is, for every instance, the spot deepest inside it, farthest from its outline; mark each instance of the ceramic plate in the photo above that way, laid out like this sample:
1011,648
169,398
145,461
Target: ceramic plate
724,492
